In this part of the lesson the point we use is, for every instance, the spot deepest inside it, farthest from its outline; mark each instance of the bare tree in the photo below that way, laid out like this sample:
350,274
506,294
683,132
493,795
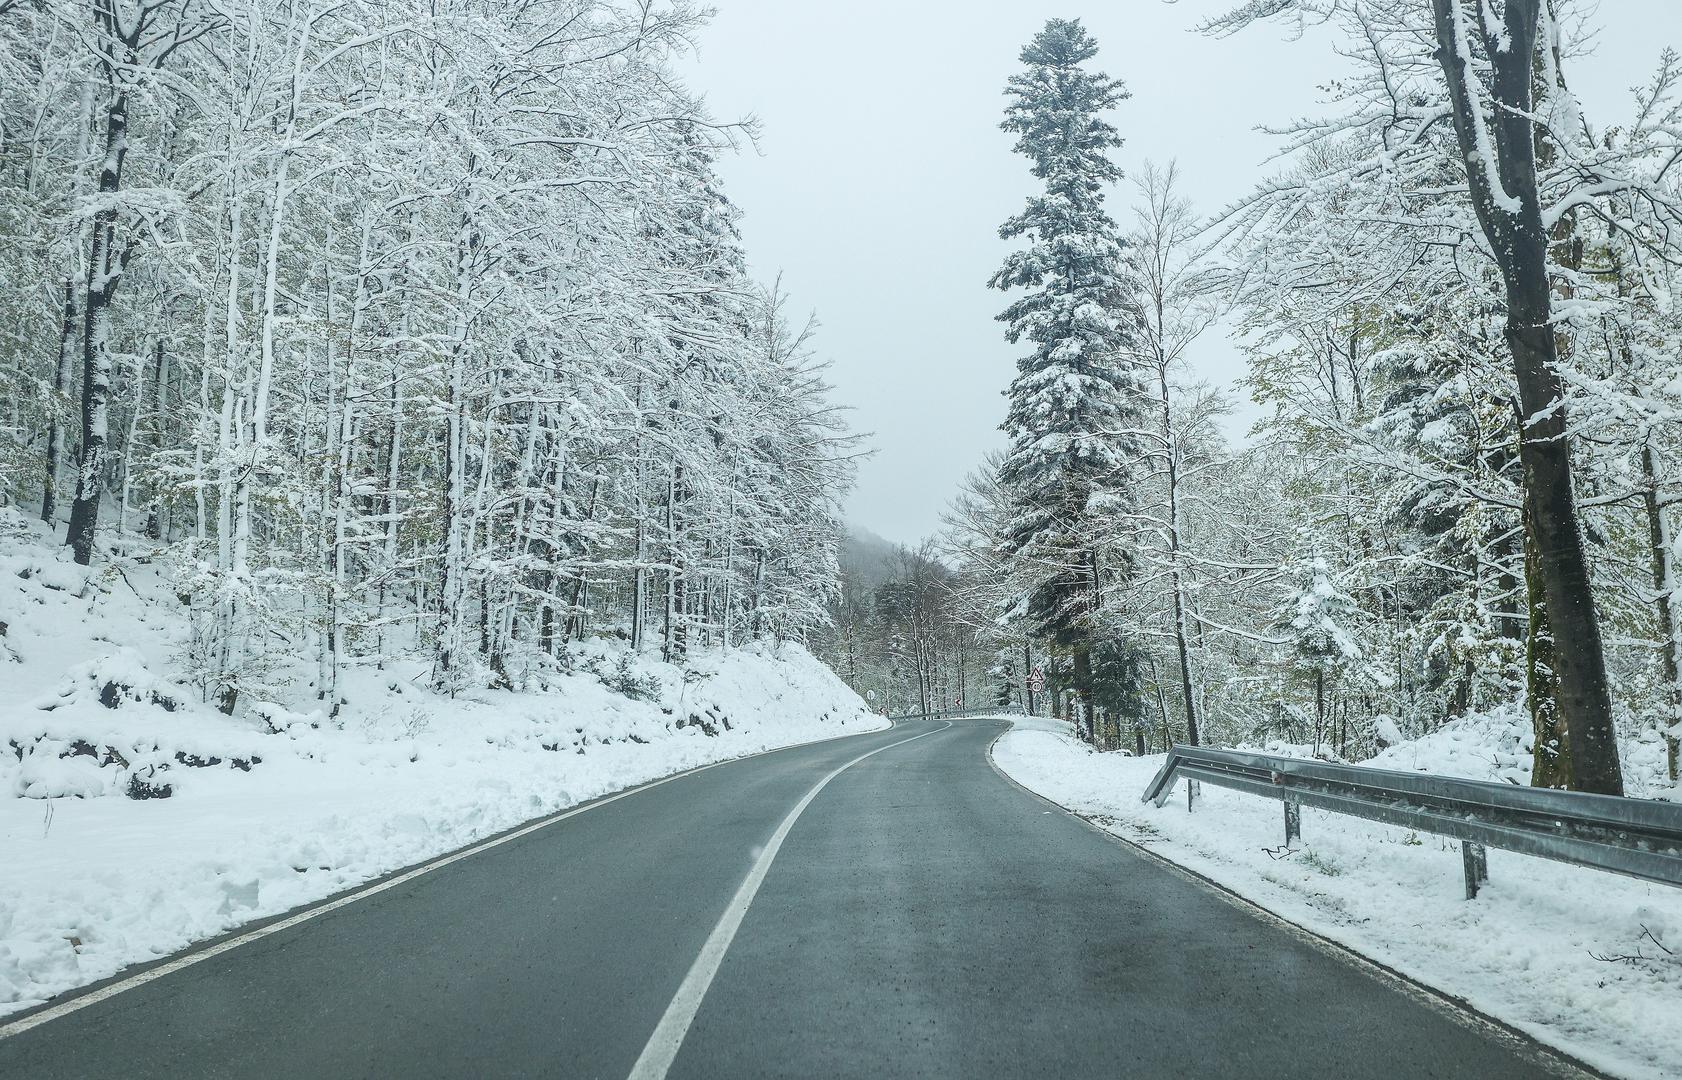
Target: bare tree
1173,313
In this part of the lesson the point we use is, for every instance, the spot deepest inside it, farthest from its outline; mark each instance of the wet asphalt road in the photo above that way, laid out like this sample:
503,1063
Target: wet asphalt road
924,917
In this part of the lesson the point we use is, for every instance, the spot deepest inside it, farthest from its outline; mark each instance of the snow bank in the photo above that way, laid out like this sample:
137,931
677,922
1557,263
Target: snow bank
1496,746
1528,950
135,820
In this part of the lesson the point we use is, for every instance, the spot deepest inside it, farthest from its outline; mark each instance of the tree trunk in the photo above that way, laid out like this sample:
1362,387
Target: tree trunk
1319,708
1027,676
156,527
1082,665
447,657
1176,572
1509,209
139,390
62,375
104,273
1162,706
1551,751
677,584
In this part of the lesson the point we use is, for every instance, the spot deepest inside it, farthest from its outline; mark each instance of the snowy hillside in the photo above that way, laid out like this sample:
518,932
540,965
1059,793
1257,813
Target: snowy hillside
136,819
1497,745
1586,961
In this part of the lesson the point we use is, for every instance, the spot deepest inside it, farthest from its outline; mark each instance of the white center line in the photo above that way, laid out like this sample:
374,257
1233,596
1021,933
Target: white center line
668,1036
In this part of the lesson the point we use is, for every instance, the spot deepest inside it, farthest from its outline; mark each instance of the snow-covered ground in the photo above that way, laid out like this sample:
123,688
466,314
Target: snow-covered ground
281,804
1574,957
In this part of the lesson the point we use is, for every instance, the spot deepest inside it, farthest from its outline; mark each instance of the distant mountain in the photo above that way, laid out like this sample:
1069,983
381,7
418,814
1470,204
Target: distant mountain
866,560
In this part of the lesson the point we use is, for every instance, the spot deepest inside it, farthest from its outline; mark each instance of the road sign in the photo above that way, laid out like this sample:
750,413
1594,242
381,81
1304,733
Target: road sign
1036,679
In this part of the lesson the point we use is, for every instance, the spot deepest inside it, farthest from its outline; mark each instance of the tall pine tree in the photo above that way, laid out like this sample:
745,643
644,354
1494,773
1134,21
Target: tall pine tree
1073,400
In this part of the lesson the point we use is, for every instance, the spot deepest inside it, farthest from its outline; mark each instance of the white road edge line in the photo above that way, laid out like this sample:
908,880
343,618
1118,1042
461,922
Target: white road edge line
93,997
657,1057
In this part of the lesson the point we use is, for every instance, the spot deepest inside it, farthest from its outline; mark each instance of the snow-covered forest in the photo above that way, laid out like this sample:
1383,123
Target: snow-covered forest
440,635
401,329
1458,293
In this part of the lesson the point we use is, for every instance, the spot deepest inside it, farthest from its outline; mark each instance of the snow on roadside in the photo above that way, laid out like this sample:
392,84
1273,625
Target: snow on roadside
282,804
94,884
1526,951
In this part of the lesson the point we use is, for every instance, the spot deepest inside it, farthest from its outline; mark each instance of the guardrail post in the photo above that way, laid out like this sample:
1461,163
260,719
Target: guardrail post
1476,863
1293,822
1192,792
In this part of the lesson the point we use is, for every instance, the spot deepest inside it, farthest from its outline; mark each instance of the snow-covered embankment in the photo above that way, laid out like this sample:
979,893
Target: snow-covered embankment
252,815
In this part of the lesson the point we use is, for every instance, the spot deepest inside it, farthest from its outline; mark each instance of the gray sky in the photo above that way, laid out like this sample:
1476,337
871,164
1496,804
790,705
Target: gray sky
882,177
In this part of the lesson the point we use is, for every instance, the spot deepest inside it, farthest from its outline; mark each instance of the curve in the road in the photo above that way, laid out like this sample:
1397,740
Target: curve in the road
923,917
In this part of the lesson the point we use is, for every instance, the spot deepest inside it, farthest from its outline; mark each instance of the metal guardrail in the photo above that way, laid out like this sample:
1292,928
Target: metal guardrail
1639,838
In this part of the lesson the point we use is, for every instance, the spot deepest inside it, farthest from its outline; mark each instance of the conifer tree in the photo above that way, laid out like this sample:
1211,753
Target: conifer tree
1070,410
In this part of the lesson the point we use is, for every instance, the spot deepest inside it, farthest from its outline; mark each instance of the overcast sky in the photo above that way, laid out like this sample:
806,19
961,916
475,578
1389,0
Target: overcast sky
881,178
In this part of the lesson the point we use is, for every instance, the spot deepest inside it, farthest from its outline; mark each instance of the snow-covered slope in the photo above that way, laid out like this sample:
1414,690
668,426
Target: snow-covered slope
1496,745
134,819
1575,957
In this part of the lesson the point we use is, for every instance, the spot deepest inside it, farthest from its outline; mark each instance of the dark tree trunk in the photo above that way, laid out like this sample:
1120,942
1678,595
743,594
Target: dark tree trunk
576,624
1192,735
1510,605
62,376
673,631
1551,752
1082,664
160,408
680,607
1583,717
756,623
1509,210
1027,675
1162,707
1319,708
104,272
1175,573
